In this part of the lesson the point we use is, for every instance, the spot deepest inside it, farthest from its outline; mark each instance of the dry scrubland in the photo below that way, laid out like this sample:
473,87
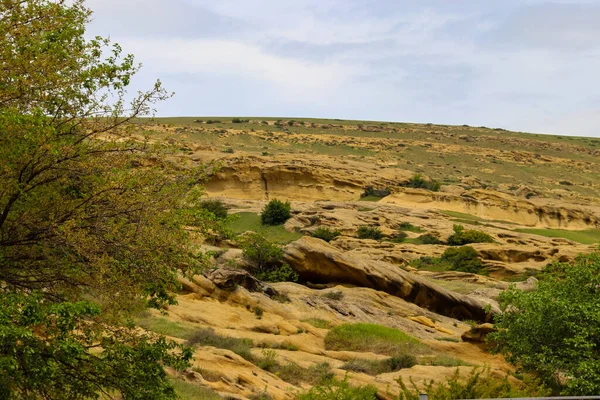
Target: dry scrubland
536,197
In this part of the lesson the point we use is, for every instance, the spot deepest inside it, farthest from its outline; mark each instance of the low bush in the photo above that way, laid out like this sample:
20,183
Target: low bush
216,207
428,238
407,226
318,323
462,259
398,237
208,337
334,389
464,236
325,234
335,295
265,259
417,181
371,191
376,367
369,232
276,212
228,150
239,121
480,384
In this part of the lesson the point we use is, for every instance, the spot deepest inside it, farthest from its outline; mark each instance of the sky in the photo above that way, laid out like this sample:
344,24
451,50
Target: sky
524,65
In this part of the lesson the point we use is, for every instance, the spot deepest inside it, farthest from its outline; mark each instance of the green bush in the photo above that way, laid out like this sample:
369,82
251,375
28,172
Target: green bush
371,191
369,232
407,226
398,237
216,207
417,181
428,238
554,331
480,384
265,259
276,212
239,121
335,389
462,259
208,337
464,236
325,234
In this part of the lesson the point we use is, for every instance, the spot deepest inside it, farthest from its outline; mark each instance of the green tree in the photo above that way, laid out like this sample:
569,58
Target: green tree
554,331
89,210
462,236
276,212
266,259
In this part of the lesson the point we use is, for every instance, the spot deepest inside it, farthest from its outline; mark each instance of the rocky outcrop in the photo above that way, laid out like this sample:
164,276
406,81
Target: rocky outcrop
478,333
293,178
229,279
317,261
493,205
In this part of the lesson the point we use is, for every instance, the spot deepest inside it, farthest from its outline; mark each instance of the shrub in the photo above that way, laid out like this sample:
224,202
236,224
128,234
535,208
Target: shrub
464,236
462,259
480,384
428,238
407,226
417,181
318,323
335,389
325,234
371,191
208,337
216,207
258,311
266,259
276,212
239,121
228,150
369,232
335,295
398,237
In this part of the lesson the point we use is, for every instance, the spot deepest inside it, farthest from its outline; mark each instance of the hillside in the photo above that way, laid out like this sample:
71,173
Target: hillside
536,196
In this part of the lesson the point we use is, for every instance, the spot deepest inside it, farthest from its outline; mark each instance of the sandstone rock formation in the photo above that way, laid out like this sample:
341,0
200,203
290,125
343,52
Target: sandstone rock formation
317,261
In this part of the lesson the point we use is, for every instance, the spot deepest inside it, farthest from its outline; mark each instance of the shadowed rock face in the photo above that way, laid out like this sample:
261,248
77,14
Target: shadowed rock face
317,261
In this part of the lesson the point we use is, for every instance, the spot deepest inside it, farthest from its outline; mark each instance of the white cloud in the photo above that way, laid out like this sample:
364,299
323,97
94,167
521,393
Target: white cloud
295,79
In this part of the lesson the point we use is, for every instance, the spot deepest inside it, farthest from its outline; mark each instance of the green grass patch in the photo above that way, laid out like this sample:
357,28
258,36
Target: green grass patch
374,338
590,236
376,367
318,323
190,391
208,337
249,221
163,326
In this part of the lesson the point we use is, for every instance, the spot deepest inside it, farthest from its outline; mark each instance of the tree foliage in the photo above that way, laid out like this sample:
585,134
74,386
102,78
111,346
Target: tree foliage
462,236
276,212
89,209
554,331
266,259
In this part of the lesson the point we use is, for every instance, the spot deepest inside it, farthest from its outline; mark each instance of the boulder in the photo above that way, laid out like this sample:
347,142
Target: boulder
478,333
231,278
317,261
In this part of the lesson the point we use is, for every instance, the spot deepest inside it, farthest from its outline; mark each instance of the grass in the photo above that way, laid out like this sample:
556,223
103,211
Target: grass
165,327
376,367
249,221
208,337
590,236
190,391
318,323
373,338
